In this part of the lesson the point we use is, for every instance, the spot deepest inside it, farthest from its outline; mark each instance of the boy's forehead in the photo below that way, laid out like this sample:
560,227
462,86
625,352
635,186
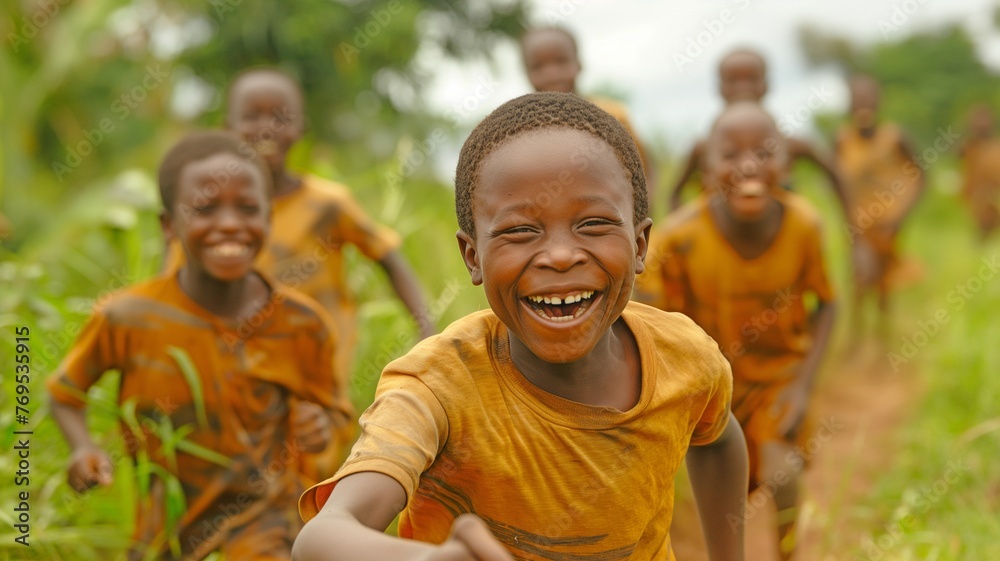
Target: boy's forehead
742,63
737,123
265,83
547,38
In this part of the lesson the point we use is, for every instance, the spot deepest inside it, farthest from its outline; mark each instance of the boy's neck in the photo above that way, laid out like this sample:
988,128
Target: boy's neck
609,376
750,239
226,299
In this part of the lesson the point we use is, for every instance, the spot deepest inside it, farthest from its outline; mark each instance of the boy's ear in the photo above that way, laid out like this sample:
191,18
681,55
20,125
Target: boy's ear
467,246
642,230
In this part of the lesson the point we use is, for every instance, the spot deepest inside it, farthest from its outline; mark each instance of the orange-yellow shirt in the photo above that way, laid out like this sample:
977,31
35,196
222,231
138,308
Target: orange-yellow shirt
881,182
752,307
462,430
981,171
249,375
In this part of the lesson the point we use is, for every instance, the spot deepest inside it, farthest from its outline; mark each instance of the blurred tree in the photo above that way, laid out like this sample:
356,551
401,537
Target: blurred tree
929,79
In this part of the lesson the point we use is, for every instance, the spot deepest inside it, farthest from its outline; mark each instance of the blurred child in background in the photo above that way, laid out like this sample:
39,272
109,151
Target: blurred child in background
313,219
981,171
742,262
743,77
552,63
258,397
884,182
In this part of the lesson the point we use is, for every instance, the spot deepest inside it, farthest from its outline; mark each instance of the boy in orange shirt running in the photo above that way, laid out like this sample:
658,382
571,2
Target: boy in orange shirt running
741,262
551,425
884,183
981,171
743,77
259,400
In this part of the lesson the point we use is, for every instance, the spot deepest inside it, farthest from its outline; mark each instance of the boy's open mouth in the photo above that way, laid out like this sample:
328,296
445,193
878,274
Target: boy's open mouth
562,307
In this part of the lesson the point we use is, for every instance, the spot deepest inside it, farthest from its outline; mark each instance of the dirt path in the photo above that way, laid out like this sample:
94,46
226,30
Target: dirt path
860,403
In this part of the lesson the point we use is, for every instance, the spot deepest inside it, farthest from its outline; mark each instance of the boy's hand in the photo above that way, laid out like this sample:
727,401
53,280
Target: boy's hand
790,408
89,467
311,426
470,540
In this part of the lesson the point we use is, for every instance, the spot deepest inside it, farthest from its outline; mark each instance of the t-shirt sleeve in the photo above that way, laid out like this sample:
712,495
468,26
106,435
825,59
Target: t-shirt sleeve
815,278
718,395
402,433
374,240
93,353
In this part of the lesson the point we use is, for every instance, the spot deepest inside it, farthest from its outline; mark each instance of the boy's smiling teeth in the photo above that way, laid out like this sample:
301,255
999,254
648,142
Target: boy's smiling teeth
230,249
561,308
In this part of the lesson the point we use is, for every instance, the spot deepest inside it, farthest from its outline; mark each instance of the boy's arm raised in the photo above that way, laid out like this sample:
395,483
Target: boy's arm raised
405,283
718,473
351,526
802,149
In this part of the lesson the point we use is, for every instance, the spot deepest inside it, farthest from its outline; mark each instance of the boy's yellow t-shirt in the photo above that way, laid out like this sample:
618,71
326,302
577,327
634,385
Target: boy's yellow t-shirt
754,308
880,180
249,376
464,432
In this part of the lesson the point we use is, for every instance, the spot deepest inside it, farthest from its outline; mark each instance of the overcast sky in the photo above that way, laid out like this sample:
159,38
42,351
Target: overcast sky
634,47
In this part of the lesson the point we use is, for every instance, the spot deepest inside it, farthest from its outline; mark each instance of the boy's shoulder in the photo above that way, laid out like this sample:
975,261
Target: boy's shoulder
801,213
157,294
686,220
304,312
465,342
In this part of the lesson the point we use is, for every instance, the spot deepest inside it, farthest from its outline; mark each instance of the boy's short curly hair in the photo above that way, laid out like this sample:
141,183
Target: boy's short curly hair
538,111
197,146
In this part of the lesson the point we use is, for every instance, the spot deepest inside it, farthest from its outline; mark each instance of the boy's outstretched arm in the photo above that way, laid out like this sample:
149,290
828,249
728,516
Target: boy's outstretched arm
405,283
792,404
89,466
718,473
351,525
690,166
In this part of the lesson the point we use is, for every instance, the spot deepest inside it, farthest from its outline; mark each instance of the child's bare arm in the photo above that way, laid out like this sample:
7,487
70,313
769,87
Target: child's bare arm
690,166
90,466
802,149
405,283
792,404
718,473
351,526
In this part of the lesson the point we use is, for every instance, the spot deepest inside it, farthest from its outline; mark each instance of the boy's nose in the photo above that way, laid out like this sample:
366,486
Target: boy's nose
229,220
561,255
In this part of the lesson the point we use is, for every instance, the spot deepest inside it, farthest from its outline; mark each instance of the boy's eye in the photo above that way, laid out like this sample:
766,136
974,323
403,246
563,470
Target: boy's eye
204,209
249,209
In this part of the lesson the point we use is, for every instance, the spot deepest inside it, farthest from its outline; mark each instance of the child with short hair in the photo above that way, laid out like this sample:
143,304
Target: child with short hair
552,63
559,416
742,262
884,183
743,77
260,399
313,219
